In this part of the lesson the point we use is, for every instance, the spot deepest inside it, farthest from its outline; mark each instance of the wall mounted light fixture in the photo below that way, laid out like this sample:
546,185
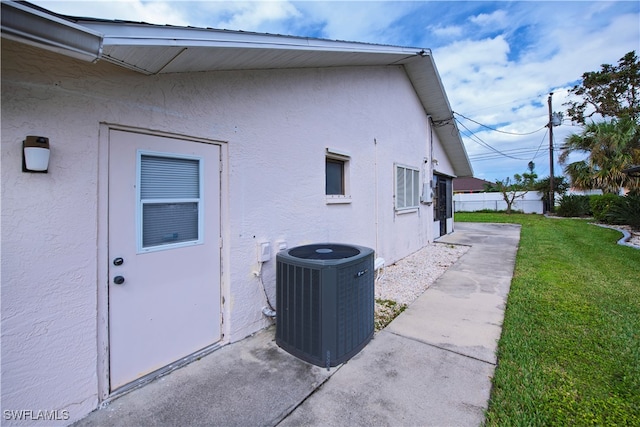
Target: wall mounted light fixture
35,154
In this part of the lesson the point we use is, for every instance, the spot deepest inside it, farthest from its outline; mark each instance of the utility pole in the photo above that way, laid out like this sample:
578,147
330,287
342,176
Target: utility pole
552,198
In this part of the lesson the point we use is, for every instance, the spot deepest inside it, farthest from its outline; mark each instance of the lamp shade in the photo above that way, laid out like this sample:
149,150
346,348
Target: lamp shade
36,158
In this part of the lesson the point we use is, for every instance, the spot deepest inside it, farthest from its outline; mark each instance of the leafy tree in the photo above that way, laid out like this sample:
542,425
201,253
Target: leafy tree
611,147
516,188
612,92
529,178
560,186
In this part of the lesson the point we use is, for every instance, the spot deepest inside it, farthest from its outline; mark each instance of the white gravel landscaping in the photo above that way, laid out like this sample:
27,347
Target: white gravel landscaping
408,278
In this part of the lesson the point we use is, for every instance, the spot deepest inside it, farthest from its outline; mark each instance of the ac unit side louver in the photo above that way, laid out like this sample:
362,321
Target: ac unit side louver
325,301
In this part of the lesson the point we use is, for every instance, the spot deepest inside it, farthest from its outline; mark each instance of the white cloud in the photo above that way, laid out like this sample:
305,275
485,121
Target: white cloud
154,12
371,22
497,19
256,16
450,31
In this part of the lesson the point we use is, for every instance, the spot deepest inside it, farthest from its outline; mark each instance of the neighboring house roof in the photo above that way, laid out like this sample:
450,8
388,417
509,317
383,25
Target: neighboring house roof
469,184
157,49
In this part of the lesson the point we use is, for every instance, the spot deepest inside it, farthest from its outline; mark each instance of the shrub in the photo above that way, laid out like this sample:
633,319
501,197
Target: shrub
574,205
625,211
600,205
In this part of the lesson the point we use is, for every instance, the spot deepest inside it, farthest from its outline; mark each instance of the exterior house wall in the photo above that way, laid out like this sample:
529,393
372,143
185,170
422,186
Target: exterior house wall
274,127
443,165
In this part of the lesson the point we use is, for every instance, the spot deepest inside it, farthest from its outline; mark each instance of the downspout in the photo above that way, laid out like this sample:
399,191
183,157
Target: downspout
431,168
375,172
429,179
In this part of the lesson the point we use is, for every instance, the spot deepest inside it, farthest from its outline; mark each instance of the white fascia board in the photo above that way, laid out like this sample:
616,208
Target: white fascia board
131,34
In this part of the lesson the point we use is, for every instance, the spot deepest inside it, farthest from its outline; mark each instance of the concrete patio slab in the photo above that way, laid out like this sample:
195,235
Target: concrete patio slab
249,383
396,381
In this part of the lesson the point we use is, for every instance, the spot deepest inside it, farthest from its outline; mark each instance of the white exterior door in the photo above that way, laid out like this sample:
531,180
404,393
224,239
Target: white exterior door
164,252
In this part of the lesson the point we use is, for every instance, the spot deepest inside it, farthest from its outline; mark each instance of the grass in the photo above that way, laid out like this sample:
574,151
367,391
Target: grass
569,353
385,311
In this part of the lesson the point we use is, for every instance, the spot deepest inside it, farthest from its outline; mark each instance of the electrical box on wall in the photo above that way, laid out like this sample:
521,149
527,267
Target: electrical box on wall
264,251
427,194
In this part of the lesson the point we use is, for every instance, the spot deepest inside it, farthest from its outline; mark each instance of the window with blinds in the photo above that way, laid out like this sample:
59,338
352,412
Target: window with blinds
170,202
407,187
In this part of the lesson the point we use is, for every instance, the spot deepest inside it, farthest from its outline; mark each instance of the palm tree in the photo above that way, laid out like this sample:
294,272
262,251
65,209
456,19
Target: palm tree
612,147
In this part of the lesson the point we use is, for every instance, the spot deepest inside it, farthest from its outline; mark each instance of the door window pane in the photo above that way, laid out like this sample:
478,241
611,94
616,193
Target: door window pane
167,223
169,201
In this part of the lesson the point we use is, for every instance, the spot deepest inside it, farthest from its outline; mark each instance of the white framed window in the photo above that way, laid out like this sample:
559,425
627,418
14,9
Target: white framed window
335,177
407,187
169,201
337,165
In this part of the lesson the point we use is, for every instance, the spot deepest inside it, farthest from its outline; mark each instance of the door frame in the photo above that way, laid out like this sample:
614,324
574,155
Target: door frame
444,211
102,279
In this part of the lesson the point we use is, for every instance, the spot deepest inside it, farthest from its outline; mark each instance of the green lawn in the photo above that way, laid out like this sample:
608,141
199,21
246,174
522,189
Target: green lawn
569,353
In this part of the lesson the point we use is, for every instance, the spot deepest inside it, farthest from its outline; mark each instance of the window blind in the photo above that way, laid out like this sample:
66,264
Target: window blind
176,180
407,187
169,178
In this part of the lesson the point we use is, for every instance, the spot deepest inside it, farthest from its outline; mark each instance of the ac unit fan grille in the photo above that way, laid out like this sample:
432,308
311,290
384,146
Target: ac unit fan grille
299,305
324,251
354,325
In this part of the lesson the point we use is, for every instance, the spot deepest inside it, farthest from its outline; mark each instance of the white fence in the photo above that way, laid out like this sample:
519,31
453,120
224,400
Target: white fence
531,202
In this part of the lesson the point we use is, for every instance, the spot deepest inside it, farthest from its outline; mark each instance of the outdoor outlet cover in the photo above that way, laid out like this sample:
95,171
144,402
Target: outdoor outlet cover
264,252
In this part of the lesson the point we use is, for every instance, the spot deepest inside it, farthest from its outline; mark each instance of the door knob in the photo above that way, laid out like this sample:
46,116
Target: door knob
118,280
118,261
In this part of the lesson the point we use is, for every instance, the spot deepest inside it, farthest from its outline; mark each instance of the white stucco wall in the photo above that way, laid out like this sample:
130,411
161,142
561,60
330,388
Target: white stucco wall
442,165
275,126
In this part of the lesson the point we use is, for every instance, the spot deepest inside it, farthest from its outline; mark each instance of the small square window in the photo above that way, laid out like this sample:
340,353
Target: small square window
335,177
337,188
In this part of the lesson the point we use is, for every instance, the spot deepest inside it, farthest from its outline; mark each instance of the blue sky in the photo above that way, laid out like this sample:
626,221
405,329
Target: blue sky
498,60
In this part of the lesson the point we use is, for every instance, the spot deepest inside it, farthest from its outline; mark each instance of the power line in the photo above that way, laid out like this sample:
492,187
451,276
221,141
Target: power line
530,155
541,142
513,151
484,144
524,152
497,130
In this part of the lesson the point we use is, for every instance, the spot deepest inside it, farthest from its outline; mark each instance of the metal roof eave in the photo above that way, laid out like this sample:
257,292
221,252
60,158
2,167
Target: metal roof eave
429,88
36,28
135,34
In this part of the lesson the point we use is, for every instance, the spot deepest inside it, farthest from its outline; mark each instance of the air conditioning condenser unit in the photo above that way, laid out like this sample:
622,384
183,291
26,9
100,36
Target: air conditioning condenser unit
325,301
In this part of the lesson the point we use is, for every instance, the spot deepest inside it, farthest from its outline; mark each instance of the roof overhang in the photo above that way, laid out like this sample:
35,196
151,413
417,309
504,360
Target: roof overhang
157,49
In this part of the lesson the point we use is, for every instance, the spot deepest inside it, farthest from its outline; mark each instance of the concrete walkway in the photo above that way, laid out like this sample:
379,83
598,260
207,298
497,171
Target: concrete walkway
432,366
